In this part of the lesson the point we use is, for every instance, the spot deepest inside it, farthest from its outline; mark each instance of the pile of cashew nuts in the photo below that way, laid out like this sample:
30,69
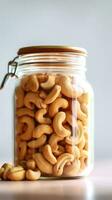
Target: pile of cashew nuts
51,126
19,173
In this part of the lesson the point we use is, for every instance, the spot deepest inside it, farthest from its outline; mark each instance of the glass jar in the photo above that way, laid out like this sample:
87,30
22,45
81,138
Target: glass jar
53,111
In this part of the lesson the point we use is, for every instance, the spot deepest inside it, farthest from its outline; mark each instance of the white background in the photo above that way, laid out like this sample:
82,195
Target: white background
84,23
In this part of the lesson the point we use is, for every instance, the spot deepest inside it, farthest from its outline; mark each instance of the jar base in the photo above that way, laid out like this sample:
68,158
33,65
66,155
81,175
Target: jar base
82,174
60,178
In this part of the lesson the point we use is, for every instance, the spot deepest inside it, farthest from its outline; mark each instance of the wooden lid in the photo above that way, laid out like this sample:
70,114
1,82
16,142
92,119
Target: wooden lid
52,49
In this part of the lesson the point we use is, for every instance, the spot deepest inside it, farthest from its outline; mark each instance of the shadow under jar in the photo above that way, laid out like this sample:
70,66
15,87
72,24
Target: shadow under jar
54,111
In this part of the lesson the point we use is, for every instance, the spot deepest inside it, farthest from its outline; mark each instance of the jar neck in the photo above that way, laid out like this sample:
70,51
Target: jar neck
69,63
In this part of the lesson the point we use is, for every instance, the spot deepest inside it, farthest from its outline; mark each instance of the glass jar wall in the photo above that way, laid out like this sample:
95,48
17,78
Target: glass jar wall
54,112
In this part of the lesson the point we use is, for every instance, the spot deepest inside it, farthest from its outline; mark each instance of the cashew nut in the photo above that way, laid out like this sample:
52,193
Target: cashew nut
32,99
73,150
47,153
76,109
30,83
32,175
73,169
42,163
82,143
78,133
84,159
49,83
41,130
76,152
84,108
53,141
58,127
84,98
30,164
22,150
24,111
71,119
6,167
16,174
19,97
56,105
70,140
53,94
20,127
39,116
61,161
67,88
38,142
27,135
81,115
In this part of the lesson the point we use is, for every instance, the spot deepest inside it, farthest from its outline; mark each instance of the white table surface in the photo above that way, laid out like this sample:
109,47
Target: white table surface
97,186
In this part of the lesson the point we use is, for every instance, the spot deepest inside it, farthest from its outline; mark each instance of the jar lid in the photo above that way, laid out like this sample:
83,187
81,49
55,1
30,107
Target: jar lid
49,49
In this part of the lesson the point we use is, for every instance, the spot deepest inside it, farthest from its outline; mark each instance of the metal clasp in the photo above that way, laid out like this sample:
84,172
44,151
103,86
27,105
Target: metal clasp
10,74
